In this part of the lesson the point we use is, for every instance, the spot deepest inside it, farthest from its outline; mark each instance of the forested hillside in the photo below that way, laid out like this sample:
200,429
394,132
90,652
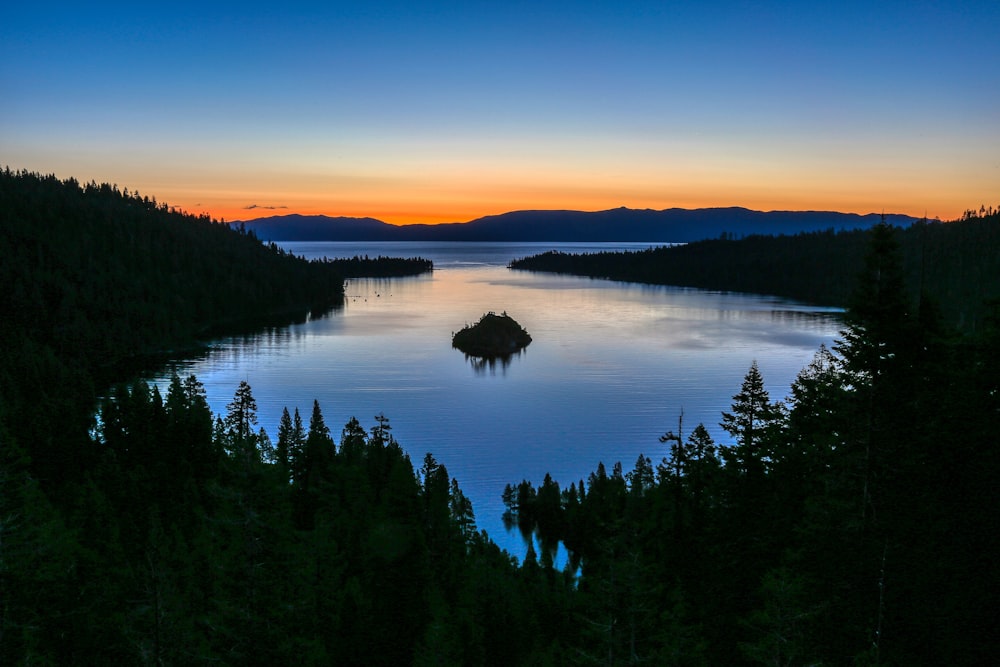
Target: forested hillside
853,523
956,265
92,275
195,538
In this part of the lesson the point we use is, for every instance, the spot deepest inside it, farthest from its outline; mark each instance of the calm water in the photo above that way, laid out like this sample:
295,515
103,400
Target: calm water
611,366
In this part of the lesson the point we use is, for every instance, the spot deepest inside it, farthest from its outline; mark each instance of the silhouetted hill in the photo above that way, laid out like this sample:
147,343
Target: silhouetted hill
91,276
956,265
617,225
319,228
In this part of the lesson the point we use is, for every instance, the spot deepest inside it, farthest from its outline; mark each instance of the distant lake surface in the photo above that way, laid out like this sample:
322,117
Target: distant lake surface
611,367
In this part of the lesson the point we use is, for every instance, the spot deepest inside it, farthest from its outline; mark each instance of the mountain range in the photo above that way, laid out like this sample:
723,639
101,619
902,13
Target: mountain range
674,225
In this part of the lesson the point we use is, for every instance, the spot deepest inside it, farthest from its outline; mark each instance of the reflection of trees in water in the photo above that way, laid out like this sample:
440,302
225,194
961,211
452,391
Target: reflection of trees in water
484,365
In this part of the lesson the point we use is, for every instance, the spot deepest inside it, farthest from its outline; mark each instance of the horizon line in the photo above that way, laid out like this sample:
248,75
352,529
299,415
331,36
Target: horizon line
282,214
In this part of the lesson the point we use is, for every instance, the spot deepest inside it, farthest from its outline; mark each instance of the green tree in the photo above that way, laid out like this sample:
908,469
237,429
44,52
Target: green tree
241,417
353,440
641,478
241,413
312,467
320,448
876,349
780,628
284,445
39,558
754,419
462,512
816,429
296,444
703,466
197,425
878,316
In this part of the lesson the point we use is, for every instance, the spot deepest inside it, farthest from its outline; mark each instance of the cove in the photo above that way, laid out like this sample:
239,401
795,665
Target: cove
610,368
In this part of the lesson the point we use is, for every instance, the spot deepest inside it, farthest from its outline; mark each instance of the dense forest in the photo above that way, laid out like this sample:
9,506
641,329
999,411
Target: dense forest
954,264
853,522
93,277
381,266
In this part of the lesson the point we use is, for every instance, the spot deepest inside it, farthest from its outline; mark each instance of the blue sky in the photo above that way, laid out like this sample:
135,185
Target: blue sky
433,112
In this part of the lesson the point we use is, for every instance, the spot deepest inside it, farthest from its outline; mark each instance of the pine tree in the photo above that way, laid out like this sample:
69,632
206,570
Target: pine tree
752,420
320,448
39,559
462,513
188,436
876,352
241,417
878,317
241,413
703,464
312,461
297,450
353,440
285,431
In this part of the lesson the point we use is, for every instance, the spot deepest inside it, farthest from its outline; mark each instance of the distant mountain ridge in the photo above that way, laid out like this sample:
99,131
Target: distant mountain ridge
614,225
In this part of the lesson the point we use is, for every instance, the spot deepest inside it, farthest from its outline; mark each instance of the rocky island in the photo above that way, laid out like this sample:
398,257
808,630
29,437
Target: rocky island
493,336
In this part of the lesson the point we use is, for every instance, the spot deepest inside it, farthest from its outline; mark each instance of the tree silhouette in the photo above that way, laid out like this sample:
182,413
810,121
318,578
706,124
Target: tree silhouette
752,420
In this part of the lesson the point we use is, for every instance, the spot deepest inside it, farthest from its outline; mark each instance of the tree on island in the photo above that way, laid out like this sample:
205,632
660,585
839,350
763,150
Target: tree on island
493,336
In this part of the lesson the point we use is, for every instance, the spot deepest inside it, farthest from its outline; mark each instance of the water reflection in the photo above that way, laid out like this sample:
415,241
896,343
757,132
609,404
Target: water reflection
488,365
611,366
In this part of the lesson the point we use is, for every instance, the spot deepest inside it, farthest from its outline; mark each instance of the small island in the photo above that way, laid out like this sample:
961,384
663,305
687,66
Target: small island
493,336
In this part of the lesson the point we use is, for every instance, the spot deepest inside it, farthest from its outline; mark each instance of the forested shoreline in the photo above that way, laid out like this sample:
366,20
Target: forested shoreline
93,277
853,522
954,264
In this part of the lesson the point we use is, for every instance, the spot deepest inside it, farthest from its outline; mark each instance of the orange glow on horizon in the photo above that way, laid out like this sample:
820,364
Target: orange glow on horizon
407,202
403,215
468,191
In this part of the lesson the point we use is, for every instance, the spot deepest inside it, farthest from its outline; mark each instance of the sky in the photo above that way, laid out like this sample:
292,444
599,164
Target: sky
442,112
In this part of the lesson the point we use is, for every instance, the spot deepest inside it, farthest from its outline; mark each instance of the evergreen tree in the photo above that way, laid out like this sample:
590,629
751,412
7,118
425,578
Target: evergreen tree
641,478
313,471
878,317
320,448
779,630
876,352
284,445
297,464
815,430
353,440
672,470
204,456
241,417
548,511
753,419
268,453
241,413
39,557
437,515
188,450
703,465
462,513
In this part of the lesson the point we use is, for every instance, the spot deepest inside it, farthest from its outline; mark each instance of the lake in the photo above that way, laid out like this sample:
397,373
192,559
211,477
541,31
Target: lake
611,367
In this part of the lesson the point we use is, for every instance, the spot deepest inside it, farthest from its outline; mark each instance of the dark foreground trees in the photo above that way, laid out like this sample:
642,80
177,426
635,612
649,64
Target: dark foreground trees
193,541
856,525
848,526
95,280
954,263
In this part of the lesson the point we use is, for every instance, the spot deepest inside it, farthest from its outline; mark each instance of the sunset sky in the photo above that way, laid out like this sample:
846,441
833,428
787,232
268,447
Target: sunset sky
441,112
